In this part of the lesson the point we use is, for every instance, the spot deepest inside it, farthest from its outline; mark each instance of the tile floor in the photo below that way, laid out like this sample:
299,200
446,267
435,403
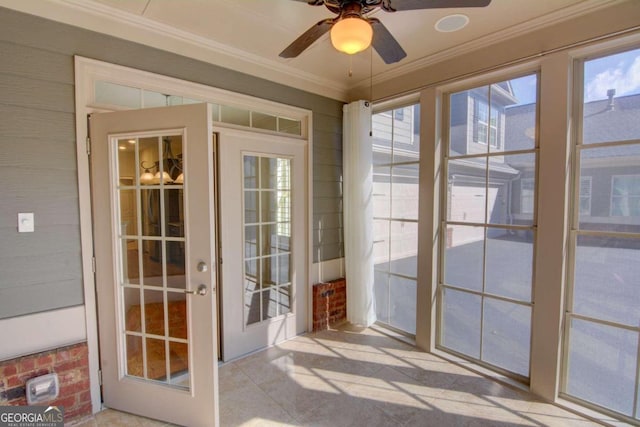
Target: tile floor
353,377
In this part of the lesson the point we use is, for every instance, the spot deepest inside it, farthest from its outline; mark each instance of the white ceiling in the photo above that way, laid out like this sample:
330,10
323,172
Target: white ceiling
248,35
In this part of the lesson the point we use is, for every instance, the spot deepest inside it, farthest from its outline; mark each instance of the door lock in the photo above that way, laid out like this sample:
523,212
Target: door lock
202,267
202,291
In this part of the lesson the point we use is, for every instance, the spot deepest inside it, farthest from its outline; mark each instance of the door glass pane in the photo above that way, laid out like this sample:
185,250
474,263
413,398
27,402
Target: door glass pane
115,94
267,252
132,314
264,121
152,214
290,126
130,262
135,366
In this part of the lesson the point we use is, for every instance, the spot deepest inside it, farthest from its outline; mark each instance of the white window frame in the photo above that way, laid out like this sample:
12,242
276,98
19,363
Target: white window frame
581,196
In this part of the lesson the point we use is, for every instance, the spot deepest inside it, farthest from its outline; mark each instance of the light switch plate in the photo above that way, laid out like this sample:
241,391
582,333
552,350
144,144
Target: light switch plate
26,222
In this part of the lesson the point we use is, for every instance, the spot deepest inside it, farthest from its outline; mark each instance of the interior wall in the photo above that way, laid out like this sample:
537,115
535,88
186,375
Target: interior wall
42,270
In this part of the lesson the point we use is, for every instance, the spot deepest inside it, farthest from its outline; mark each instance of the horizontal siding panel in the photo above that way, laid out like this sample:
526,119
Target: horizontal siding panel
329,236
48,212
328,220
325,123
327,173
328,252
19,122
327,189
328,140
44,297
324,205
44,241
46,154
36,64
63,266
327,156
37,94
30,183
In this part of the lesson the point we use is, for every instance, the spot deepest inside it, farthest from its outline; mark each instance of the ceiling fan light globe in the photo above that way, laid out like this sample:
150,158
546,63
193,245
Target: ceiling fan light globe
351,35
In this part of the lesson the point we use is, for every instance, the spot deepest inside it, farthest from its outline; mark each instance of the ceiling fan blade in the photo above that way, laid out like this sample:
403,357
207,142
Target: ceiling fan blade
385,44
307,38
399,5
313,2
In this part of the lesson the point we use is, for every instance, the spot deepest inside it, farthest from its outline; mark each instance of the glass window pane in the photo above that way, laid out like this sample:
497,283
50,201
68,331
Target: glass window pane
506,335
268,172
284,300
268,267
382,131
250,172
149,157
127,161
234,116
509,263
154,312
152,263
177,314
128,213
134,356
290,126
264,121
612,190
268,206
402,303
467,191
179,363
461,322
284,269
251,275
115,94
150,204
381,291
155,99
269,303
406,136
174,213
382,192
602,365
130,262
511,187
156,360
607,279
269,240
381,244
132,312
607,110
251,241
464,257
405,191
404,248
515,103
176,273
251,203
252,307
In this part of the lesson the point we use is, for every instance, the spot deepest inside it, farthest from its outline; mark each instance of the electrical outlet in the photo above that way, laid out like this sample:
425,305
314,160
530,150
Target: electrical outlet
26,222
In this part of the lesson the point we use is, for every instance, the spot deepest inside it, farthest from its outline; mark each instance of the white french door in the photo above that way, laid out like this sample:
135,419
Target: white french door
153,210
263,188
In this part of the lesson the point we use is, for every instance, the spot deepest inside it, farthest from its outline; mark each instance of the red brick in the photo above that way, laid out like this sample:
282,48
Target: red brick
45,360
9,370
74,388
14,381
84,396
27,364
62,356
68,402
79,411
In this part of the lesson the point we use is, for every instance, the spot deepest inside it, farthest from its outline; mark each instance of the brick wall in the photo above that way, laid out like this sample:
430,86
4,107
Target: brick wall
329,304
71,363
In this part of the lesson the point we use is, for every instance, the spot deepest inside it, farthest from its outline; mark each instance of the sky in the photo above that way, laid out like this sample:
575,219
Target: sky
620,72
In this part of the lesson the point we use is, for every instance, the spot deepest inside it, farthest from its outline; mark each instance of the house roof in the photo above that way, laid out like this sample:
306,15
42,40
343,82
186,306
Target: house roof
602,123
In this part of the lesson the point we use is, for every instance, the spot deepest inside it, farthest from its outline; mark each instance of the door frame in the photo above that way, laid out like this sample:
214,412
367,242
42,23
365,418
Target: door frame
87,72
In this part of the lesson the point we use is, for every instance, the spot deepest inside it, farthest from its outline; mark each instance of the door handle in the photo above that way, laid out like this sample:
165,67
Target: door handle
202,291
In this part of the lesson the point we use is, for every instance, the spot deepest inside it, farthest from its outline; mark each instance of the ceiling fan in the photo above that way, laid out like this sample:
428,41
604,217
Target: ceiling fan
352,31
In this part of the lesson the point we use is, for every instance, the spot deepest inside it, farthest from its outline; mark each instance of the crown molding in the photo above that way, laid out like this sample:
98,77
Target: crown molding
561,15
108,20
